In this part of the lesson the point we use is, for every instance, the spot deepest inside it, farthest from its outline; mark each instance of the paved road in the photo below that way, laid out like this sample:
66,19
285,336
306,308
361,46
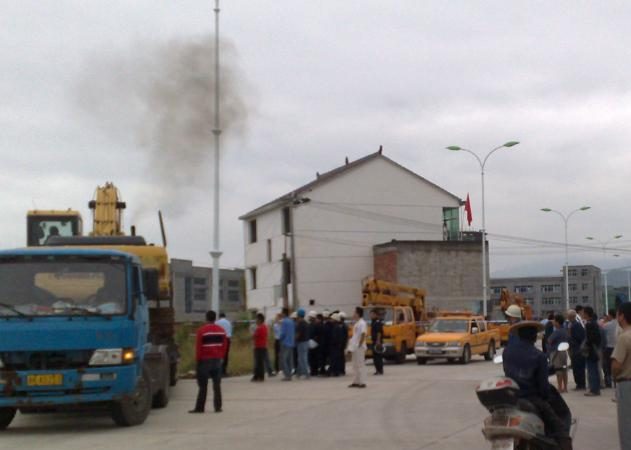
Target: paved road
412,407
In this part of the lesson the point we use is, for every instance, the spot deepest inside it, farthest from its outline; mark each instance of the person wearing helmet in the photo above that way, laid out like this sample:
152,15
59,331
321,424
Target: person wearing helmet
528,366
513,315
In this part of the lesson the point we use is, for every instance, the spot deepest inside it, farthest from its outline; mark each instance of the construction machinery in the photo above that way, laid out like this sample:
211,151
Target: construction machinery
402,309
499,319
64,228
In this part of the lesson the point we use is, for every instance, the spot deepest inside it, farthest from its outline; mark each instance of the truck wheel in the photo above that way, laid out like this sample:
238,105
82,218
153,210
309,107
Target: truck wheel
161,398
403,354
421,361
491,353
6,417
466,355
134,408
173,374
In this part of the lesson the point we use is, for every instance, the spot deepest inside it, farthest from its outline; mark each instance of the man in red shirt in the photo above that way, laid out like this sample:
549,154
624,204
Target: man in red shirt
210,349
260,348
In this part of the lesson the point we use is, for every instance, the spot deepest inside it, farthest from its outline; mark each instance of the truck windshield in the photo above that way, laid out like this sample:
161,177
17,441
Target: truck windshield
449,326
34,286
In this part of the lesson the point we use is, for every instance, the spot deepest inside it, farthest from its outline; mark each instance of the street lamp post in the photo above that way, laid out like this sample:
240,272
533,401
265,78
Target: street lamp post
565,219
603,246
482,163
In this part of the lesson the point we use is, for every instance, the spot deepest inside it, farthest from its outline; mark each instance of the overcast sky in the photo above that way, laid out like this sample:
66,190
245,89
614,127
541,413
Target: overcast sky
329,79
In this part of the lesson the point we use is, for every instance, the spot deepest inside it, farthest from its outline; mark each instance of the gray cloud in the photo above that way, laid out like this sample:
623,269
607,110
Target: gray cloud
336,79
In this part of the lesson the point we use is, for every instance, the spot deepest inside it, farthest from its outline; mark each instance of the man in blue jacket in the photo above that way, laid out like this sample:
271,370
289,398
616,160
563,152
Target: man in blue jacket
576,332
287,344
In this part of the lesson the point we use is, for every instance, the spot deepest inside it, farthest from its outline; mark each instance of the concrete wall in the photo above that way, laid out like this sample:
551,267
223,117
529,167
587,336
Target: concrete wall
336,229
192,287
449,271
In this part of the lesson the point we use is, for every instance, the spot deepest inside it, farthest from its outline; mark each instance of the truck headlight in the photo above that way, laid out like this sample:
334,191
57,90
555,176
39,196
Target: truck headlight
421,344
455,344
111,357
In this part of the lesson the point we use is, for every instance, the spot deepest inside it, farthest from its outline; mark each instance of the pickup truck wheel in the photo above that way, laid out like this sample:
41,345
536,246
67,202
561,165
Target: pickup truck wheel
403,354
421,361
6,417
491,353
466,355
134,408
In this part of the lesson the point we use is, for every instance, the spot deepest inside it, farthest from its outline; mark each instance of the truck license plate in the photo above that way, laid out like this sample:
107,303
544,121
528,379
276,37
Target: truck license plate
53,379
435,352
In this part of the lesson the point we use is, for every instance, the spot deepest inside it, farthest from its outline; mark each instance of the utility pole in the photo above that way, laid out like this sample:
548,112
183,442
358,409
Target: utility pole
216,253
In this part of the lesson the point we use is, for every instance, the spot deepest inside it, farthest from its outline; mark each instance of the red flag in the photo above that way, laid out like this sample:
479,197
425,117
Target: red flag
467,208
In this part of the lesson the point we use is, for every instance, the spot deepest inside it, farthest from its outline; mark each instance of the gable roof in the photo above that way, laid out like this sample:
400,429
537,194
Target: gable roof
286,199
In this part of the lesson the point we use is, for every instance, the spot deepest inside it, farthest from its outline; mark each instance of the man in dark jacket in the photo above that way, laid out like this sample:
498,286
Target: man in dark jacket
315,335
577,336
327,332
336,349
528,366
592,351
376,335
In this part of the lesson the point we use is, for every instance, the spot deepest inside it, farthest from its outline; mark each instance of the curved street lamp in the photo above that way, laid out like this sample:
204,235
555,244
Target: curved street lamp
566,218
482,163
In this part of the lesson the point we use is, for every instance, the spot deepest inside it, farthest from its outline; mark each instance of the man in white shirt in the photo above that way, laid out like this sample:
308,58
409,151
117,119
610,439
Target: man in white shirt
357,347
227,327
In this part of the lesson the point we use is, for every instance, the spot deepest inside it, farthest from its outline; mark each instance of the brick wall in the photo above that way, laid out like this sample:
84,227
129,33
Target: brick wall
385,262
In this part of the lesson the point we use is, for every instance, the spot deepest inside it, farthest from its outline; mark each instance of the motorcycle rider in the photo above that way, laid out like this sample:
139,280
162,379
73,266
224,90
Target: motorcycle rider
528,366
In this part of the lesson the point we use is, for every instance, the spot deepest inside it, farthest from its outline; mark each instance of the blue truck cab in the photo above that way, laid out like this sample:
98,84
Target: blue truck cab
74,332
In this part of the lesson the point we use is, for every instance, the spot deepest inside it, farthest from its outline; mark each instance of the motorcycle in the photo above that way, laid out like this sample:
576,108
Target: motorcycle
514,423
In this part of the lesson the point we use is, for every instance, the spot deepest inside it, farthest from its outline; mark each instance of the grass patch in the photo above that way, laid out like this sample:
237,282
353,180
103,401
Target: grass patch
241,359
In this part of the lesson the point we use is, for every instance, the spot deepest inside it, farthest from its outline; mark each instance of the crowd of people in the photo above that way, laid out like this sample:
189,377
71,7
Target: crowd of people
310,345
591,341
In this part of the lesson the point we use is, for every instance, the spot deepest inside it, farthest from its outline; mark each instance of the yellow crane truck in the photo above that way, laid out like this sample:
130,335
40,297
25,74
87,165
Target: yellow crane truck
402,309
65,228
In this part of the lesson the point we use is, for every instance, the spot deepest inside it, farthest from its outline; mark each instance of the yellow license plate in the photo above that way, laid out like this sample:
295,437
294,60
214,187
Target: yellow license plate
55,379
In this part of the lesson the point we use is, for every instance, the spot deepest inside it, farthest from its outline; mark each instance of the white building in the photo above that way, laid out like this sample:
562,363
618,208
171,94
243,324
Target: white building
333,223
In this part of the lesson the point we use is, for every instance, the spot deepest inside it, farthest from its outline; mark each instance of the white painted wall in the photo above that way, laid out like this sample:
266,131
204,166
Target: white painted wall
372,203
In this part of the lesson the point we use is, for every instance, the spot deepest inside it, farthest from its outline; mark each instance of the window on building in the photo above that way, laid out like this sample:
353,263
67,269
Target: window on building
252,278
188,294
199,281
286,212
584,272
200,294
585,299
585,286
252,231
572,286
497,290
451,220
523,289
550,288
233,296
571,272
233,283
269,250
573,299
287,271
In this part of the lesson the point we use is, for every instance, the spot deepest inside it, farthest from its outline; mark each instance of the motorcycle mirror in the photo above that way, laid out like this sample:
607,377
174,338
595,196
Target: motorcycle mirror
498,359
563,347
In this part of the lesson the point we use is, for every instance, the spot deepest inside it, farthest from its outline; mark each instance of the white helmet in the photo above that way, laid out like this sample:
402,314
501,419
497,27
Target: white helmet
335,316
294,315
312,314
513,311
